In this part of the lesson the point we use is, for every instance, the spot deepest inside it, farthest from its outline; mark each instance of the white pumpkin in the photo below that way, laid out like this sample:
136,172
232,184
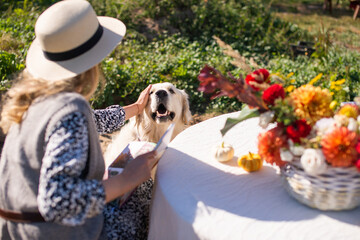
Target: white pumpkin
224,152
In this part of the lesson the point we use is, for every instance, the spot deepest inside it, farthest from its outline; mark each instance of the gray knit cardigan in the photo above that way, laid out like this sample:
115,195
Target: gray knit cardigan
20,164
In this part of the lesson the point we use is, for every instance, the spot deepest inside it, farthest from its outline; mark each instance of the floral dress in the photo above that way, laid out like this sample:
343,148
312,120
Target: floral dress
65,197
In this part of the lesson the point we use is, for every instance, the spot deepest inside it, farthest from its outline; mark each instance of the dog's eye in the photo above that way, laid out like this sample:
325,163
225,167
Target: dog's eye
151,92
171,91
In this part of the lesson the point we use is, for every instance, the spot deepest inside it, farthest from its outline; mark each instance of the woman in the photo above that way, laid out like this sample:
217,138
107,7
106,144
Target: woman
51,168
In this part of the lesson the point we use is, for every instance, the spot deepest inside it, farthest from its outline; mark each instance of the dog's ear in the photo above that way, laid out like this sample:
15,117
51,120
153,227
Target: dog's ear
185,114
138,118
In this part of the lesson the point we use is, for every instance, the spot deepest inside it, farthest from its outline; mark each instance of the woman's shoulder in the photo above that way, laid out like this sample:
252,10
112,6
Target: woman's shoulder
59,105
61,100
71,102
68,97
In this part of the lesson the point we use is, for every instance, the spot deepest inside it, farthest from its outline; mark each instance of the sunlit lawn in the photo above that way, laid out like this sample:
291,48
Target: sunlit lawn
340,26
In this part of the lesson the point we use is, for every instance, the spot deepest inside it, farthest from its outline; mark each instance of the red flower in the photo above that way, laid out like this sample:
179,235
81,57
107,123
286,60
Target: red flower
357,147
357,164
299,129
258,76
269,144
272,93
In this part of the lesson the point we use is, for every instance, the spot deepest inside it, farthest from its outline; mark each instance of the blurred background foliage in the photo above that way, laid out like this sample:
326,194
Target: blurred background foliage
171,40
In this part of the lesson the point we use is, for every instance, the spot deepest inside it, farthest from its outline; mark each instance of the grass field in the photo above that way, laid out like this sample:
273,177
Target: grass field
255,35
339,25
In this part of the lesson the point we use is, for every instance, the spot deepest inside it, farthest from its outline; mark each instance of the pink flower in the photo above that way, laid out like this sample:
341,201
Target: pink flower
272,93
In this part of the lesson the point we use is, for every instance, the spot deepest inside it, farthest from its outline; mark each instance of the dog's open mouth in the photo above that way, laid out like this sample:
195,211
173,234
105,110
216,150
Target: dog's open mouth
163,114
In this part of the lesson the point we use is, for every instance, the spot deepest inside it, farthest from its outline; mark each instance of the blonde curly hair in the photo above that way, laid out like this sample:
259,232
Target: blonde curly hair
26,89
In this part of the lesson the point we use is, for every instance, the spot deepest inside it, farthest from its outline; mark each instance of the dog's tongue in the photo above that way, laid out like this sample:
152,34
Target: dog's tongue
163,114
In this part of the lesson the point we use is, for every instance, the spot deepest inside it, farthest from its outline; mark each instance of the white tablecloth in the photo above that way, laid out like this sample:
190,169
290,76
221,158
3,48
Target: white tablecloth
197,197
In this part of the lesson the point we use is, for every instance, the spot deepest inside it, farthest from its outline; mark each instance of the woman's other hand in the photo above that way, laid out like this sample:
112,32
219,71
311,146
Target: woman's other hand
136,172
139,169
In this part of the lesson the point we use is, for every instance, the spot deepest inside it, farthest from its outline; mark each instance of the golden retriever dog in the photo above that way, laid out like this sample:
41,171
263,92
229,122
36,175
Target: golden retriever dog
166,105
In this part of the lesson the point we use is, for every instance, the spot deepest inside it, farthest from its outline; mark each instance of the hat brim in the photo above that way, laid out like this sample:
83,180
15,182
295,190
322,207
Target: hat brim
40,67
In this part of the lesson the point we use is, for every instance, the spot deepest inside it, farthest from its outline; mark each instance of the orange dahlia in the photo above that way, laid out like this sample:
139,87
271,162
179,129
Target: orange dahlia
311,103
269,144
339,147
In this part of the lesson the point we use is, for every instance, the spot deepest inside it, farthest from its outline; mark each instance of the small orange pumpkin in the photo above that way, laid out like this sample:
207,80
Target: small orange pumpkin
250,162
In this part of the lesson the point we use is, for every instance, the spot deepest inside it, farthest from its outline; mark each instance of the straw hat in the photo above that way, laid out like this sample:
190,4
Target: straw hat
71,39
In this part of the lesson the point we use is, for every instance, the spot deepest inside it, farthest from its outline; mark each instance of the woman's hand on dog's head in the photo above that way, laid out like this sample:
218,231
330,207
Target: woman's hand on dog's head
143,99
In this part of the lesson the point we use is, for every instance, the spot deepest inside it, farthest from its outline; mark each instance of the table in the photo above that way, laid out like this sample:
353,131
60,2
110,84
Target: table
197,197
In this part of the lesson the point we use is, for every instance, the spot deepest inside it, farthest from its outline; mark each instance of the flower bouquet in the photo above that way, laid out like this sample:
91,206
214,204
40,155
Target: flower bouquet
315,140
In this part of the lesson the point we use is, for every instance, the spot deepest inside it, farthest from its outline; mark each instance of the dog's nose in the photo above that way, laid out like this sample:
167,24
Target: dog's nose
161,94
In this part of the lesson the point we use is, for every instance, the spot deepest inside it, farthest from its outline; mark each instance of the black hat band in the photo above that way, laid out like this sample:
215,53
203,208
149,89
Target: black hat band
62,56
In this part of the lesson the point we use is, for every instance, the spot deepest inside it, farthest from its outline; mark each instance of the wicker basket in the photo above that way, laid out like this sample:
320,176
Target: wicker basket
336,189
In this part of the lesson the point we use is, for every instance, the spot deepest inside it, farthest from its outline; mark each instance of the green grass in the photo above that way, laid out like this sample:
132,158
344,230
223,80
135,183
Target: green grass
342,29
172,40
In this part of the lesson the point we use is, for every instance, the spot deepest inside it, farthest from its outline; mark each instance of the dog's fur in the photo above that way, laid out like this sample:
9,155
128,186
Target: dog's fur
166,105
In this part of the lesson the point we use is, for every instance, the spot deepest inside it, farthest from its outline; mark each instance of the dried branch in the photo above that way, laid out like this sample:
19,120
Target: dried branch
239,61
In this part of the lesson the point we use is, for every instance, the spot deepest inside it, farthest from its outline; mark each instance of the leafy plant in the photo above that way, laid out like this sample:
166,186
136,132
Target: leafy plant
172,58
171,40
9,64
